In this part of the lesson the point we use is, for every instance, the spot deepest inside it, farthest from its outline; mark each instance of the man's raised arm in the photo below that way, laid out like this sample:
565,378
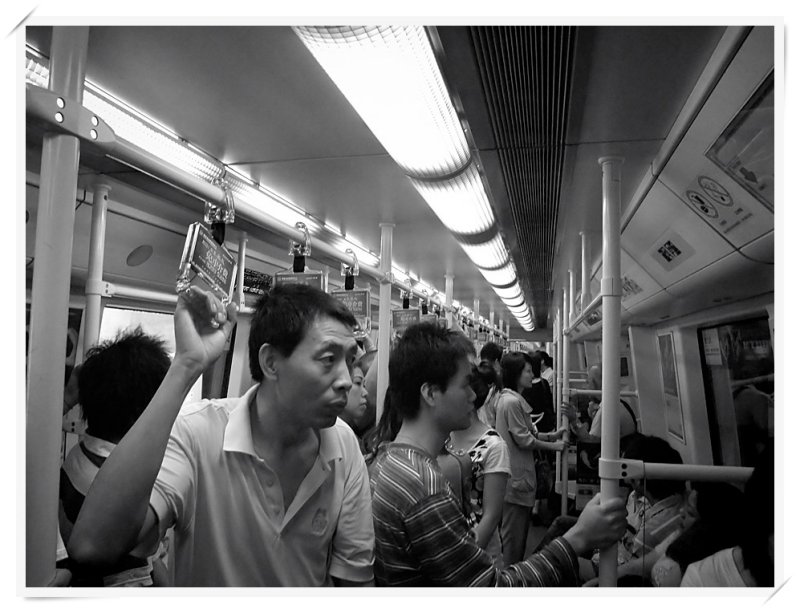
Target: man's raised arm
115,516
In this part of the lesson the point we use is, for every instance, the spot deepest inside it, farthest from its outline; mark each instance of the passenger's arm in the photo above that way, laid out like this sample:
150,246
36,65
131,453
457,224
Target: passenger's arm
441,544
353,548
116,516
518,427
494,490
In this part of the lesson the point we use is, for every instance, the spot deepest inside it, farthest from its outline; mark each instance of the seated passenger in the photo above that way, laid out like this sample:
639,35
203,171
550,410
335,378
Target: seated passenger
751,563
114,385
711,518
662,513
421,535
269,489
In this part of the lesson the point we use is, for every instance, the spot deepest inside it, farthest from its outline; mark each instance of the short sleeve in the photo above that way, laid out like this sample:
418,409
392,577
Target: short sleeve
172,498
597,423
353,548
496,458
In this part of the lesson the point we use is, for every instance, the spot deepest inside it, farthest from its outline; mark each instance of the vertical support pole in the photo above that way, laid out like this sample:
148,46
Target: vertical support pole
476,308
240,260
94,281
565,398
508,329
586,291
611,290
571,296
49,307
448,299
491,322
384,317
501,332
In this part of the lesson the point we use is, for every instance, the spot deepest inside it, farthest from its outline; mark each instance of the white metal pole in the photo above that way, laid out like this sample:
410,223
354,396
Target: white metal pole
448,299
94,280
611,290
384,317
241,258
571,295
586,292
476,308
49,308
491,322
565,397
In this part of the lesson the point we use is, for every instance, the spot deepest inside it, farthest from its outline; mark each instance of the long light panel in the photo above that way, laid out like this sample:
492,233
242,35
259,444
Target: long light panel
138,128
390,76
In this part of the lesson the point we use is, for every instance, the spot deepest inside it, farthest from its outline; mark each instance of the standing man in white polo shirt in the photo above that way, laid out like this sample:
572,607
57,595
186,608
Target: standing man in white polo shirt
269,489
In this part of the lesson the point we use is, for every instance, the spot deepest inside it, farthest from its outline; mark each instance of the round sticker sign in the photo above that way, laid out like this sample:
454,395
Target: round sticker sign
702,204
715,191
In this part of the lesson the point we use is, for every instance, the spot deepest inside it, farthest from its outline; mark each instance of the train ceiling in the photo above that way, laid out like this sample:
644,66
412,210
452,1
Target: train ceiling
542,104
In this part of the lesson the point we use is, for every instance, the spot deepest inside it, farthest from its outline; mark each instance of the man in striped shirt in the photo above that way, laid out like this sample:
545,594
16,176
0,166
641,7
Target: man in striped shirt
421,535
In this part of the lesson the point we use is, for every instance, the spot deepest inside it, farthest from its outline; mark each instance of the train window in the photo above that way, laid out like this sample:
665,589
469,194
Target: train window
158,324
738,369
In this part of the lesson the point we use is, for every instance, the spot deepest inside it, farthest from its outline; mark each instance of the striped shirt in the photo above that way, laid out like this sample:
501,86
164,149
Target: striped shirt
422,537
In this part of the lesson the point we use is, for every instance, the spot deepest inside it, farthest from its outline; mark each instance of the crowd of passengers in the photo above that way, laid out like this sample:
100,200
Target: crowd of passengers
294,484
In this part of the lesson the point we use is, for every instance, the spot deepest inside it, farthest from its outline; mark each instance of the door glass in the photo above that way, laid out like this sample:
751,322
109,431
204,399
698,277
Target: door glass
738,375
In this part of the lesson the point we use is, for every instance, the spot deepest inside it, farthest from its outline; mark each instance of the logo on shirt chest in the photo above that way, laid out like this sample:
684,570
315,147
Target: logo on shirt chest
320,522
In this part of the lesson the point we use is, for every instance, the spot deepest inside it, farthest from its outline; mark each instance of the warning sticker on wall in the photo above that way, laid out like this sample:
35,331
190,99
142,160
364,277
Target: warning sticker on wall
711,348
671,251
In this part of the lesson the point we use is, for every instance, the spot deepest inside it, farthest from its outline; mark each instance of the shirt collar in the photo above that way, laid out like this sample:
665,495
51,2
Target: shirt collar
238,435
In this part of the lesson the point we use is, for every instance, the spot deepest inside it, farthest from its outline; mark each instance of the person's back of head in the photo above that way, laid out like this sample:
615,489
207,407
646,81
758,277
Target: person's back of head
758,536
479,385
652,449
594,377
118,380
492,352
283,316
547,361
716,527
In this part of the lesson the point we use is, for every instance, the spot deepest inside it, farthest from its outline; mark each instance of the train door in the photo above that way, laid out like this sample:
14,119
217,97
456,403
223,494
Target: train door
738,378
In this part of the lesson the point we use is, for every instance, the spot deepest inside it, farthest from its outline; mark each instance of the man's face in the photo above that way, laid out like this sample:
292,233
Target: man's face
313,382
454,406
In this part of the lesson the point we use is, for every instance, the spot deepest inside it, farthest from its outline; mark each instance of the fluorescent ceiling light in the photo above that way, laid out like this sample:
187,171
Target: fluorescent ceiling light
509,293
490,254
390,76
501,276
460,203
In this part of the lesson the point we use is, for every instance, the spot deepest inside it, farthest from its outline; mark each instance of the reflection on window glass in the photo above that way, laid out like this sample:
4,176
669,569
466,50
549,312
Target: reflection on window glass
738,376
746,149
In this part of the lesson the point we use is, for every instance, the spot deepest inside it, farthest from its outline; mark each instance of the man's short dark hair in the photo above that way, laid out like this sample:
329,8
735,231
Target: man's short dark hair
118,380
491,351
283,315
656,450
512,365
426,353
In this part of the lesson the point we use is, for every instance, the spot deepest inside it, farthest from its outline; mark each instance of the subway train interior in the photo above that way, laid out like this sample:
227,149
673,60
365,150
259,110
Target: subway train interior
604,193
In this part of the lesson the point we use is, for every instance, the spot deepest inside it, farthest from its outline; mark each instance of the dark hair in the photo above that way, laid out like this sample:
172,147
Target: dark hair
479,384
719,507
656,450
426,353
545,357
118,380
491,351
283,315
512,365
759,509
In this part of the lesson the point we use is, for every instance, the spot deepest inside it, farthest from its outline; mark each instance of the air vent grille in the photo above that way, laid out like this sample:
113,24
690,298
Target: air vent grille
526,74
